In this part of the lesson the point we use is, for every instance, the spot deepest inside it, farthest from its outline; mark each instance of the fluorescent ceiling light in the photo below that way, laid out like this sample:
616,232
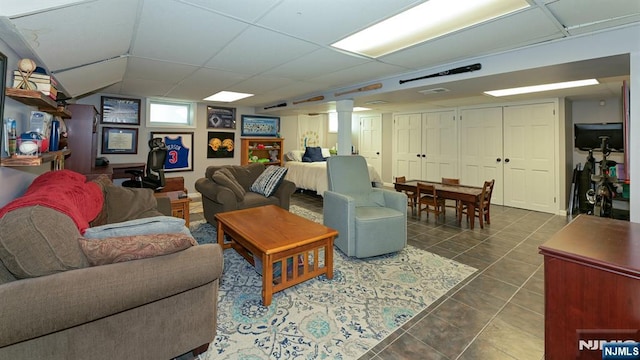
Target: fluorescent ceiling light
358,108
426,21
227,96
543,87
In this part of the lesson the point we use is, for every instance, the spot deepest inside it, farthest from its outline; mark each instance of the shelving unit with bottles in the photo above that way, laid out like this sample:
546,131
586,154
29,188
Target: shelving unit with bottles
46,104
261,147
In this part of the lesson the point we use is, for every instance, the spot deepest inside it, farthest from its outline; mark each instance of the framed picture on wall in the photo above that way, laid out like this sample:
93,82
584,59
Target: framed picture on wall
116,140
220,144
221,117
255,125
180,150
120,110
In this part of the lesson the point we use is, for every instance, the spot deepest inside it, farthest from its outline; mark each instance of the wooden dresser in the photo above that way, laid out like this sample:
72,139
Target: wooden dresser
591,286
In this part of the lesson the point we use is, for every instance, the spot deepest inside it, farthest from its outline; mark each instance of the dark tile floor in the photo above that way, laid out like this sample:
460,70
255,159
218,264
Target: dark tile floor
498,312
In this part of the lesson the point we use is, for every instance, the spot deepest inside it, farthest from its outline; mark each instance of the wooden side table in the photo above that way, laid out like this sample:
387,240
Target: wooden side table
179,206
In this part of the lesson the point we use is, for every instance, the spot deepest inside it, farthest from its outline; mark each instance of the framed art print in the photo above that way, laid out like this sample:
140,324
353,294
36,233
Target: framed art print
220,144
120,111
221,117
179,150
256,125
117,140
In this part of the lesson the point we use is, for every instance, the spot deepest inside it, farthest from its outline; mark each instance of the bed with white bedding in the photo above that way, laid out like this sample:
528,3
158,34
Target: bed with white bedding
313,175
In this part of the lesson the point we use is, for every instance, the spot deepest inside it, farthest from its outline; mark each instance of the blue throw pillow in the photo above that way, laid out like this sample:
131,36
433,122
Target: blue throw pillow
313,154
267,183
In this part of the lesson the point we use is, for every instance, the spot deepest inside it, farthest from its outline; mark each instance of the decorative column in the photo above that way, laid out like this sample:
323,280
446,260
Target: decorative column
344,108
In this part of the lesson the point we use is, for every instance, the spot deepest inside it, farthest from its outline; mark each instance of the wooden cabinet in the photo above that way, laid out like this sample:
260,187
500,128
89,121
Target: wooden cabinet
591,286
82,138
262,148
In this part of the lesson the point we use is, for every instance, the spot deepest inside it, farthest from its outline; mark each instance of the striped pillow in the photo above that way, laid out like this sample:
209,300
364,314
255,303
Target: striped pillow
267,183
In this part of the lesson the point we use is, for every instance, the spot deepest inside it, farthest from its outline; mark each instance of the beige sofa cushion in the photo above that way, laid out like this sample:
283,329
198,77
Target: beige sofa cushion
123,203
37,241
225,178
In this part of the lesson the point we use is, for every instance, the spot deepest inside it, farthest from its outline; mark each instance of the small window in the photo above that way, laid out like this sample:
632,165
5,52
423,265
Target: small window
169,113
333,122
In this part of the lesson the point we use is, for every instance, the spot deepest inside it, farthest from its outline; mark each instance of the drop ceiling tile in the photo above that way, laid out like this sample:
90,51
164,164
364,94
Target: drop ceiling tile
247,10
592,11
510,32
261,84
145,87
86,79
172,31
204,83
325,22
257,50
360,73
15,8
317,63
139,68
59,35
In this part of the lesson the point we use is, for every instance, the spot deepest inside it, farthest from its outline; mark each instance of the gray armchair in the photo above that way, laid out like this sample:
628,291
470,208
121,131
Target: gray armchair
370,221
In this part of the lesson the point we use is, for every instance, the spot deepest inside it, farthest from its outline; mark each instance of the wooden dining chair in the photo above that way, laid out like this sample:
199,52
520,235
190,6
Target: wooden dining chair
451,181
411,195
483,206
427,198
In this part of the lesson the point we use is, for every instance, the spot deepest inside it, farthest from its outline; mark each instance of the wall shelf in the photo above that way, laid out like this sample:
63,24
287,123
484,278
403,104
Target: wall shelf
36,98
51,156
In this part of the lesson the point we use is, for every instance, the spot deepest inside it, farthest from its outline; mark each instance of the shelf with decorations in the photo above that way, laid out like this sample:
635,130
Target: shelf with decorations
268,151
56,157
37,98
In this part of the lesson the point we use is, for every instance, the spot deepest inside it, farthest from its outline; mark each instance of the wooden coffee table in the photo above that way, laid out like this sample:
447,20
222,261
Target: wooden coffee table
276,236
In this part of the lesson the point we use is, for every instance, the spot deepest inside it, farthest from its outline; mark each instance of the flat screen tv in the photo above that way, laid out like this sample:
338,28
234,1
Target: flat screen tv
588,136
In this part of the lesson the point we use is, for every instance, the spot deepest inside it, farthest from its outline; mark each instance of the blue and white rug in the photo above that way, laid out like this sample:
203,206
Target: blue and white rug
340,318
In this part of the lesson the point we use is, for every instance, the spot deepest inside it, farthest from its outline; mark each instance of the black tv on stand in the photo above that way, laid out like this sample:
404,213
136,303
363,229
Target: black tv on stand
589,136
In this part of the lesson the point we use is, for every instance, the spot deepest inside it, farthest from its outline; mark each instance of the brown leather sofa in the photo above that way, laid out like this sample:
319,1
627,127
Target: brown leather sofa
220,196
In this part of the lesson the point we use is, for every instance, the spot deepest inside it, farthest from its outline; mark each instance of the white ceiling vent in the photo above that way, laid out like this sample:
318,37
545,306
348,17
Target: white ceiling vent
433,91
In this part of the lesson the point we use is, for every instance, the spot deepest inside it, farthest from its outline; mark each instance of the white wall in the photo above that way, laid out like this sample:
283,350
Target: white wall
200,138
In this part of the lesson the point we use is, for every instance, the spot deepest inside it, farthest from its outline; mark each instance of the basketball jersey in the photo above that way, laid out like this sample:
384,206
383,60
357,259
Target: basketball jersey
177,153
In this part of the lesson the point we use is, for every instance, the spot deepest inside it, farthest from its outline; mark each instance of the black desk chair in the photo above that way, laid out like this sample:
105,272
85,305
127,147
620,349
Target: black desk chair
154,171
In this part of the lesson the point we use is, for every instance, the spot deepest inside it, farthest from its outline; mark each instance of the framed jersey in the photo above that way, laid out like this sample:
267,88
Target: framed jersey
180,150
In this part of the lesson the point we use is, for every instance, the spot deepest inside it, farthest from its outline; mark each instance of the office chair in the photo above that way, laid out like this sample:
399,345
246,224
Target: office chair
154,171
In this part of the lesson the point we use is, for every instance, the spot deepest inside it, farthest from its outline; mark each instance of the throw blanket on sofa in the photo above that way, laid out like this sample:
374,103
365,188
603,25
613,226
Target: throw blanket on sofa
65,191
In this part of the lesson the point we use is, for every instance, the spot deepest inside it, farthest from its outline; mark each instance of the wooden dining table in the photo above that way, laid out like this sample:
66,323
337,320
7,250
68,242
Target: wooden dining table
469,195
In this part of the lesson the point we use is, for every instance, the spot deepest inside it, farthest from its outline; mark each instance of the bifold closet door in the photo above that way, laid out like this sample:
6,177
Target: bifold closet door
481,149
529,148
407,146
440,144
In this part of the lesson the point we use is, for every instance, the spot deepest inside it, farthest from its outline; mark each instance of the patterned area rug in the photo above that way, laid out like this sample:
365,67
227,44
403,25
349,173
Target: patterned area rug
340,318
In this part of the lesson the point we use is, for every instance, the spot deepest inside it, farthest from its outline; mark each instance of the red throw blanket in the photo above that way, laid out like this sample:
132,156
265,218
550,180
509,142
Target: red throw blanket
65,191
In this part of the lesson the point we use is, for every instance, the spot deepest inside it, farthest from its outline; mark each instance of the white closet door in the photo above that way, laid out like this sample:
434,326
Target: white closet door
481,149
440,143
407,146
371,140
529,148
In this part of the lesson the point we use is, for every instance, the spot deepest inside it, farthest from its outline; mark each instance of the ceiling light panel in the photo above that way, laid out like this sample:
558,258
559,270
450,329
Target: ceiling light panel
227,96
426,21
543,87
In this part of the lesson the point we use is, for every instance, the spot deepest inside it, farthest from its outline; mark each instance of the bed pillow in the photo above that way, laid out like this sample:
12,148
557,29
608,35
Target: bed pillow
313,154
267,183
326,153
125,248
295,155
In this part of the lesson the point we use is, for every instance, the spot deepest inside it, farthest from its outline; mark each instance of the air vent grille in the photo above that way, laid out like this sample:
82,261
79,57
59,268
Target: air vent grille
434,91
